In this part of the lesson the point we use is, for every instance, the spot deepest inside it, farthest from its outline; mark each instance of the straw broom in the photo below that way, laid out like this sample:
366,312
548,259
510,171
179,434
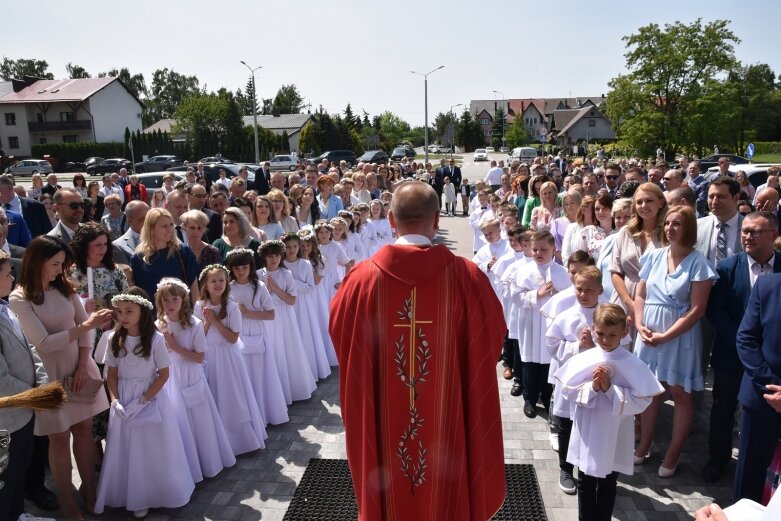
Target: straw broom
45,397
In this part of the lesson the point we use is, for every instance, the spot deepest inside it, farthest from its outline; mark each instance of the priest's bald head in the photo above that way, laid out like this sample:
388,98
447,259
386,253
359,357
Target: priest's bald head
414,209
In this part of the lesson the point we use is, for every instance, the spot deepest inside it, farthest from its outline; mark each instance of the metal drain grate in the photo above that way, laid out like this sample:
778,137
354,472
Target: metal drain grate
326,493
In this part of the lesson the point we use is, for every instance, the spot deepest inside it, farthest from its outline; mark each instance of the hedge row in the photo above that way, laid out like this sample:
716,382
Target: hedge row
66,152
767,147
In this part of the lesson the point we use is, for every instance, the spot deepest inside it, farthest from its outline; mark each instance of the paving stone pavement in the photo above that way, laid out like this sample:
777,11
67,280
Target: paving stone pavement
261,484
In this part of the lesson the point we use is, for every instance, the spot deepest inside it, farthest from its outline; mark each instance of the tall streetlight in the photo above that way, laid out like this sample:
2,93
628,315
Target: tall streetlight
504,114
254,110
453,143
425,96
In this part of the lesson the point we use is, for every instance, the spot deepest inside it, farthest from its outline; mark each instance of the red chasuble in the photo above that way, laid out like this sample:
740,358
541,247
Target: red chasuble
418,332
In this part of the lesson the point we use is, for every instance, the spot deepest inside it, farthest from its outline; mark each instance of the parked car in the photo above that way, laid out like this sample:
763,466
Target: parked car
109,166
212,170
286,162
523,154
490,150
433,149
157,164
481,155
504,149
712,160
445,149
374,156
755,173
336,156
30,167
81,166
154,181
215,159
401,152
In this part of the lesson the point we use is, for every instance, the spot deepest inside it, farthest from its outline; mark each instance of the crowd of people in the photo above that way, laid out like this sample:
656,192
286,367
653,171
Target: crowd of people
206,304
676,255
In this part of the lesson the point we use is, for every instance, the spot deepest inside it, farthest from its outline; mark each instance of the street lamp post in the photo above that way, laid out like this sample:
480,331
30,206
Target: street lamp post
453,143
254,110
504,113
425,109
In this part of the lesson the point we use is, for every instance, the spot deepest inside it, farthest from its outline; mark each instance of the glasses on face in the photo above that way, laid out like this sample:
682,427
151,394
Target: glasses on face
612,177
751,232
76,206
199,196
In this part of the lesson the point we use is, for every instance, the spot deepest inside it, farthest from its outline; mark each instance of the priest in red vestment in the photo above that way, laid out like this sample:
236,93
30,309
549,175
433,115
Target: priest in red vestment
418,332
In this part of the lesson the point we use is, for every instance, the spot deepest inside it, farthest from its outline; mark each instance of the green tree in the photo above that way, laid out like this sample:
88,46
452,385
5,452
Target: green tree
212,123
444,123
17,69
516,134
76,71
469,133
307,142
287,101
755,93
349,117
134,82
392,129
499,128
168,89
667,69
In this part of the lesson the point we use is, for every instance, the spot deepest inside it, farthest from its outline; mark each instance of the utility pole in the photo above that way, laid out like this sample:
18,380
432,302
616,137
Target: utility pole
425,109
254,109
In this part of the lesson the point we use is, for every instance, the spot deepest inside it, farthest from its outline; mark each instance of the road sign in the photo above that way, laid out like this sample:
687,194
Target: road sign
543,131
504,139
750,150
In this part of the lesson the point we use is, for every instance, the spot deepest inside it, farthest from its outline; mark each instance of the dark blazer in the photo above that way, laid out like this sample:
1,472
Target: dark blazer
49,189
260,184
726,306
34,213
214,231
455,176
17,254
18,232
759,336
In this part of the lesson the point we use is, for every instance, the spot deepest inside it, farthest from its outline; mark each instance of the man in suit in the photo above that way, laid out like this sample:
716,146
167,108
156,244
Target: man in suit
51,185
33,212
15,252
454,172
123,180
727,303
69,205
758,339
125,246
18,233
176,203
718,234
196,200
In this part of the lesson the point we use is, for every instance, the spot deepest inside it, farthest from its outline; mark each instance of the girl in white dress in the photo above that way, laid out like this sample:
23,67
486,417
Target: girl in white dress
334,256
366,230
261,355
382,229
311,252
354,248
225,369
280,284
306,306
187,348
341,236
144,446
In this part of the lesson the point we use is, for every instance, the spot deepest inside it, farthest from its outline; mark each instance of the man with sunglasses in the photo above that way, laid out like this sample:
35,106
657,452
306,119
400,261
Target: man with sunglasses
69,205
612,179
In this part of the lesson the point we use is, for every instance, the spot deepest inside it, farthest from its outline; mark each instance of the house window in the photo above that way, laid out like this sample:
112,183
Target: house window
592,123
10,118
484,121
39,117
13,142
70,139
41,140
66,116
487,133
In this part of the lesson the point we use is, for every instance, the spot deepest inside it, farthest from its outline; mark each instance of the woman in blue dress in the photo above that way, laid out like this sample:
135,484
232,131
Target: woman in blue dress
671,299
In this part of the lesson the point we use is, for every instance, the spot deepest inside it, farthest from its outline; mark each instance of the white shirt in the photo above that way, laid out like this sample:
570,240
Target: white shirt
224,182
756,270
731,233
494,176
413,239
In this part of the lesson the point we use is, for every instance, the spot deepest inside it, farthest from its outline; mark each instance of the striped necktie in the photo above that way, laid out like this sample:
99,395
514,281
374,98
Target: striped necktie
721,242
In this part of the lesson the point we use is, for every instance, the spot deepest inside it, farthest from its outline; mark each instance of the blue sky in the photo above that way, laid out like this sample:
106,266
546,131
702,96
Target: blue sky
337,51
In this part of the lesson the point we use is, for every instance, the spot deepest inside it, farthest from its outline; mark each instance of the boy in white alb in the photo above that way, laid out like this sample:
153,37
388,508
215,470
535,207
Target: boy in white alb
477,216
569,333
605,388
494,247
449,191
534,284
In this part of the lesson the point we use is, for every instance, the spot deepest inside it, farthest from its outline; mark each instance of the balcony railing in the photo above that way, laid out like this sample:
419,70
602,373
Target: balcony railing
60,126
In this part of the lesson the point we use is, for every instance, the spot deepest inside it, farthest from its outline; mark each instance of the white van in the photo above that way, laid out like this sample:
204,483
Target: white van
523,154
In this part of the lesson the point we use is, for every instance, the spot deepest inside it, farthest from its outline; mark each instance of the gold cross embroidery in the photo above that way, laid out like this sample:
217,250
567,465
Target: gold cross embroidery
413,322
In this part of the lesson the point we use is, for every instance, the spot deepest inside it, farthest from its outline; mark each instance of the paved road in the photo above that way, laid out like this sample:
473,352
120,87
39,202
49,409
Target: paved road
261,484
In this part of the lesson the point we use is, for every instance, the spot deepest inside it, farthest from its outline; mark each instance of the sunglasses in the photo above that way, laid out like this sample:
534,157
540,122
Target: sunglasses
76,206
612,177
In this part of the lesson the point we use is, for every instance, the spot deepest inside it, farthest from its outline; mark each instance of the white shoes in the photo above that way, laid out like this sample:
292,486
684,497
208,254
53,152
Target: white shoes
30,517
141,514
554,441
664,472
639,460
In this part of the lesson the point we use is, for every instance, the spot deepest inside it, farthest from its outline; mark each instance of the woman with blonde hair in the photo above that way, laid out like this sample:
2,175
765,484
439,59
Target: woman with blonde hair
642,234
281,207
570,204
161,254
194,225
37,185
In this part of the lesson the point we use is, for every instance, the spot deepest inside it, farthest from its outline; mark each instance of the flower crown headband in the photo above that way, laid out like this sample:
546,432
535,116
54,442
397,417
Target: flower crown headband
306,234
320,225
173,282
239,251
135,299
272,242
210,267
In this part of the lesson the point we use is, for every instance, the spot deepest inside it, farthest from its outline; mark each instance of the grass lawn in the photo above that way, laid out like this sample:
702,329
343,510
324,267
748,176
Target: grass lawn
437,157
766,158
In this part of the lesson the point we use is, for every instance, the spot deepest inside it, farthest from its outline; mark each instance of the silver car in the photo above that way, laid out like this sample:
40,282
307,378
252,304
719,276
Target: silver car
30,167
